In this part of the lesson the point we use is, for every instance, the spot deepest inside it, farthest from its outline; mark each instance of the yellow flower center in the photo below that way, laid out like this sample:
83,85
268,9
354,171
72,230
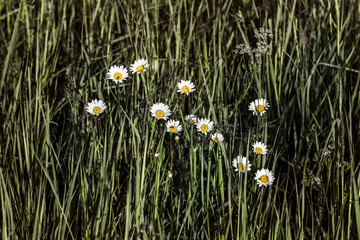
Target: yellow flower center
191,121
240,166
118,76
160,113
216,139
140,68
96,109
185,89
204,127
173,128
258,150
260,108
264,178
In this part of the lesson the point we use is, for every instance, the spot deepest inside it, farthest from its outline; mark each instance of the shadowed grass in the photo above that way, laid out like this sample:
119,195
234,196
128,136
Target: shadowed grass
67,174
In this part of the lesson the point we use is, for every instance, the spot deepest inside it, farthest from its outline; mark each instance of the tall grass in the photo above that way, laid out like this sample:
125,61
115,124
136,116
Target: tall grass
66,174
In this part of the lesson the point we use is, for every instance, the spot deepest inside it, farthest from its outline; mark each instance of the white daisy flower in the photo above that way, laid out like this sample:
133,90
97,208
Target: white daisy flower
259,148
259,106
139,66
170,175
117,74
160,111
95,107
173,126
264,177
186,87
241,164
217,137
191,119
204,125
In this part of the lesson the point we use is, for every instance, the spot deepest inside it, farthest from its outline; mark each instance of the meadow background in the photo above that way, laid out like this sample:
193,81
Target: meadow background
66,174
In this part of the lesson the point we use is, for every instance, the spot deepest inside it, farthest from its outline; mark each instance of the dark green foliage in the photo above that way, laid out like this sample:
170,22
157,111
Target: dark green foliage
67,174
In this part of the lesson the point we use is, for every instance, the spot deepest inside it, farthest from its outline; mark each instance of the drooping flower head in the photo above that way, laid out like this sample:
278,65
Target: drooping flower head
192,119
259,148
185,86
139,66
204,125
259,106
117,74
160,111
264,177
241,164
173,126
95,107
217,137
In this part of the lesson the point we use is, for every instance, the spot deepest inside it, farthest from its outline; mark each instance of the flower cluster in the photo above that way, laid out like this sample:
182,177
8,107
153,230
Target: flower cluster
161,111
262,47
243,49
117,74
263,33
203,125
264,177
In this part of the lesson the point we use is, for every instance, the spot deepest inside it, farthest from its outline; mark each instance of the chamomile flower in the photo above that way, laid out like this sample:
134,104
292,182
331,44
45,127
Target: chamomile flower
191,119
259,106
259,148
173,126
241,164
117,74
217,137
160,111
186,87
204,125
95,107
264,177
139,66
